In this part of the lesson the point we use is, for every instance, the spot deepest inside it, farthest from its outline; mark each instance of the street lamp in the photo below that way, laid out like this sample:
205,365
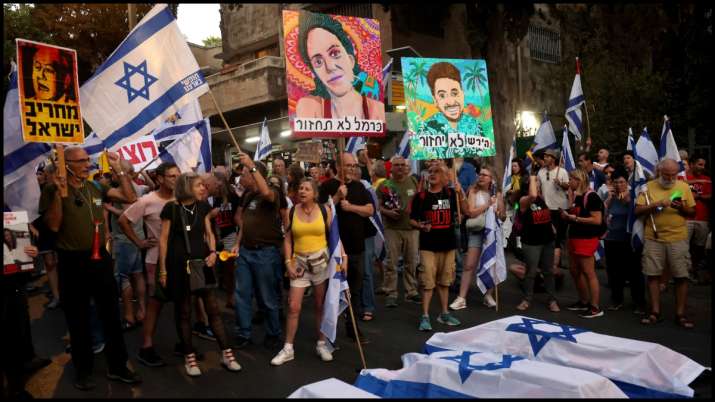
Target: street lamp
526,123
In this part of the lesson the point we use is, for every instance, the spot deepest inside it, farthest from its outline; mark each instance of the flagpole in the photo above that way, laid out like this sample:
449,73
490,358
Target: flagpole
225,123
588,124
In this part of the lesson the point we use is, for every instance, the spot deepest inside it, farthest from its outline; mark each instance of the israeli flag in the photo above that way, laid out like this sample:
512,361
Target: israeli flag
646,153
20,162
146,79
355,144
600,251
636,225
330,388
177,124
668,149
492,265
506,180
191,150
639,369
631,144
386,74
376,220
335,300
403,148
471,374
566,154
573,108
264,147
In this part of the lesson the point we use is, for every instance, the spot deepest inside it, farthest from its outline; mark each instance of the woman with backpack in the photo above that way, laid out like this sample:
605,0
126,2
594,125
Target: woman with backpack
586,226
306,249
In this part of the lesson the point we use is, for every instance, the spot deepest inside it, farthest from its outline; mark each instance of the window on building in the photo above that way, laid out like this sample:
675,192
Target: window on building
544,44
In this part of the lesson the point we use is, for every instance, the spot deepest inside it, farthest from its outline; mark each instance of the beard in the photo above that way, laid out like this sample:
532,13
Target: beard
666,184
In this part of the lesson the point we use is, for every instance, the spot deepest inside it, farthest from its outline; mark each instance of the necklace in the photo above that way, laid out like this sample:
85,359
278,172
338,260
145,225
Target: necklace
191,211
307,213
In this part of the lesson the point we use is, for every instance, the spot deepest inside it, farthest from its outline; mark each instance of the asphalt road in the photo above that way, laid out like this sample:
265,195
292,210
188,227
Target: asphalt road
392,333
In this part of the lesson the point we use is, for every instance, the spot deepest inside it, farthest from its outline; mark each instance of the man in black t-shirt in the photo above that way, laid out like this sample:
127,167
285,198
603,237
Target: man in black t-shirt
353,207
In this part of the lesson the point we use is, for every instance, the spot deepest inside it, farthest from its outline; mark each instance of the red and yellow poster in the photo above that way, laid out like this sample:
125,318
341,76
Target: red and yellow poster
49,93
333,75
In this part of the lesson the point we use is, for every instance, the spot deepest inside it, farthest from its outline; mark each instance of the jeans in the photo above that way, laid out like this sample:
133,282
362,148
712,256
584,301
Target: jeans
368,287
258,267
538,256
127,260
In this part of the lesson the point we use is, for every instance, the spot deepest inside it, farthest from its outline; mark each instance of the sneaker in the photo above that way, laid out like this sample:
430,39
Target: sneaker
614,307
391,302
179,351
578,306
489,301
53,304
242,342
285,355
554,306
203,331
322,350
85,383
97,349
229,362
124,375
592,312
448,319
191,365
458,303
149,357
425,324
416,298
272,342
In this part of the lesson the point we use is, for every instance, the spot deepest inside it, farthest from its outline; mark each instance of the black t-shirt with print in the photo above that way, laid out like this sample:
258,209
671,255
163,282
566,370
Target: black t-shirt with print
227,210
583,230
439,210
536,221
351,225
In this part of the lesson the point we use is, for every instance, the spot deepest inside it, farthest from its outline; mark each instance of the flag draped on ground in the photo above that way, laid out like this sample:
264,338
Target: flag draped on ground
646,153
335,300
264,147
573,108
20,162
668,149
355,144
566,154
492,265
470,374
146,79
639,369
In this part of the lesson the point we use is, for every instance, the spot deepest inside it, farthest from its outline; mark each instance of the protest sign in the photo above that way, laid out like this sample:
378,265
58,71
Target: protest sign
333,75
49,93
309,152
448,108
16,236
139,152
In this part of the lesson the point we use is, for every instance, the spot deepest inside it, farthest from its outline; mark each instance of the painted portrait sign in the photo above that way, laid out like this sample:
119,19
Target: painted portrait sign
448,108
49,93
333,75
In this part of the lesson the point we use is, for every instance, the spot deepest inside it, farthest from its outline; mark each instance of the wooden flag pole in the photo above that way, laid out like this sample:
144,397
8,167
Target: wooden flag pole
61,168
225,123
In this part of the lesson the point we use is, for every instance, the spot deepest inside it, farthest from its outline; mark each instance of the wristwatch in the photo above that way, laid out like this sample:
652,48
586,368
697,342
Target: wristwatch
121,173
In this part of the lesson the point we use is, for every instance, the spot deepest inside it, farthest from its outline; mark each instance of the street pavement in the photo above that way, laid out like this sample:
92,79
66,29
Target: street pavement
392,333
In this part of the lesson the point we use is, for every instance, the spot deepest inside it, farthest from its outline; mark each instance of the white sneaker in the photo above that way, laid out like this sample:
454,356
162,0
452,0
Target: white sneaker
489,301
228,361
458,303
322,350
191,366
283,356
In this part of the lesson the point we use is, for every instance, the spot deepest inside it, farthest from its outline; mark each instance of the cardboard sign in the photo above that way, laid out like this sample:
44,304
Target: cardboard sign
309,152
333,75
16,236
139,152
49,93
448,108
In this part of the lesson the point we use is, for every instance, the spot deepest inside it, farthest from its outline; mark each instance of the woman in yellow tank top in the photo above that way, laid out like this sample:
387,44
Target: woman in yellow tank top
306,250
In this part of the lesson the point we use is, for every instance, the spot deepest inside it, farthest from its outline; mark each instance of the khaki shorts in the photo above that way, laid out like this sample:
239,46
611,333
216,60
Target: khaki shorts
698,232
306,264
657,256
436,268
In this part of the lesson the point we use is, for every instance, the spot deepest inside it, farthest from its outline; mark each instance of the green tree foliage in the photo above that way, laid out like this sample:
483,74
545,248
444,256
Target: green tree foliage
212,41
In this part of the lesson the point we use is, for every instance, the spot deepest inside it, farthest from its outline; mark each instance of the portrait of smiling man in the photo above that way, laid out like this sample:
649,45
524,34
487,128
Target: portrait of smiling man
445,83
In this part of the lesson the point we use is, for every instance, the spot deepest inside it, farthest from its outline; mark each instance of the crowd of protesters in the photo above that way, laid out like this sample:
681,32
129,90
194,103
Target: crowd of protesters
272,231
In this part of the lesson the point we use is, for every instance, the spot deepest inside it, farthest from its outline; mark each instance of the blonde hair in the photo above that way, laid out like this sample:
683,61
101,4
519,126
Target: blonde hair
582,176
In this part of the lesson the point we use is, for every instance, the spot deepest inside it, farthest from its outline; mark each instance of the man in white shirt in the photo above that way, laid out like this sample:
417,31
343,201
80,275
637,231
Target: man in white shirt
554,182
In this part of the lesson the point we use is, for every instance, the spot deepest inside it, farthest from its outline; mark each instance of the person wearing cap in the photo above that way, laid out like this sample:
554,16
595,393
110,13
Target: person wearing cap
554,181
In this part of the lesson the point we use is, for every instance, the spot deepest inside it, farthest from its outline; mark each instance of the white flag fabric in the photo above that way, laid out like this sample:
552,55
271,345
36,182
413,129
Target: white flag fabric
636,185
492,265
355,144
646,153
638,368
506,179
191,150
20,162
668,149
566,153
545,137
331,388
335,301
386,74
469,374
264,147
376,220
631,143
403,148
573,108
146,79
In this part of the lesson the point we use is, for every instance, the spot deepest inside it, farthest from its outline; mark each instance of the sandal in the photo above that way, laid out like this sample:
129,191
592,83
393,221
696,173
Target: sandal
128,326
366,317
652,319
523,305
683,321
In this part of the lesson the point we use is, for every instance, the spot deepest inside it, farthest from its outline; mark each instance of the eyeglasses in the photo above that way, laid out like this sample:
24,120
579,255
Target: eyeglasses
85,160
351,165
485,175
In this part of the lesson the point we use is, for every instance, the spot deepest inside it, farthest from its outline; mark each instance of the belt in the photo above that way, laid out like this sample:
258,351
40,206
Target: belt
257,246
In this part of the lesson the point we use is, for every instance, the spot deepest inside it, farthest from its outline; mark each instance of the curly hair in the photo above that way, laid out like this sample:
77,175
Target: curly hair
310,21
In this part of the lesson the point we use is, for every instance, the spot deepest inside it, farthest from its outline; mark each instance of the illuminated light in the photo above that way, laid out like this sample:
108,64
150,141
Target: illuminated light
400,107
286,133
252,140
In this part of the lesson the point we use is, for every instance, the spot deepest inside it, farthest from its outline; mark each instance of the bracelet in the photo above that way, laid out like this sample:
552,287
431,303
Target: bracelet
162,273
288,261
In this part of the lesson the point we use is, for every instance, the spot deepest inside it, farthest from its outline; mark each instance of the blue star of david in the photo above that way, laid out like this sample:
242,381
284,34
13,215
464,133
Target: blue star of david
527,327
339,274
466,369
125,81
